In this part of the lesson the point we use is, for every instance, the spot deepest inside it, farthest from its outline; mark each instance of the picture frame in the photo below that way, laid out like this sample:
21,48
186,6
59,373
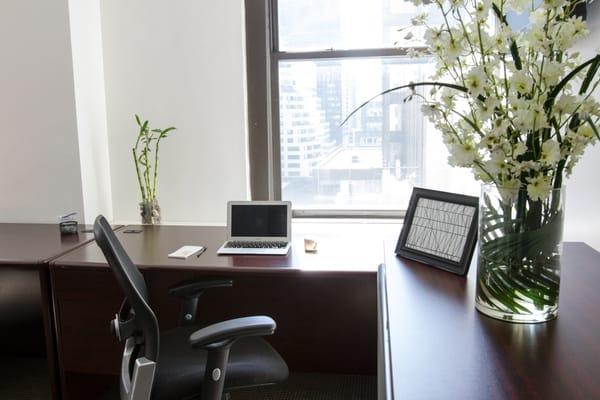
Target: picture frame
440,230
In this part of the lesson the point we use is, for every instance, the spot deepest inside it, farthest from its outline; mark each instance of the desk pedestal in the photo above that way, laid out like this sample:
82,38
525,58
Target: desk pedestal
326,322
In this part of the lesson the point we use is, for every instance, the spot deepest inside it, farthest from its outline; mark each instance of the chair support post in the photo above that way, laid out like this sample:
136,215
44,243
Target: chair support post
214,376
188,311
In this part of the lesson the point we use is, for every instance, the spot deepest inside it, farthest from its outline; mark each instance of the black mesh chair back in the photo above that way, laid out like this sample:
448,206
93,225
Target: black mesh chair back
195,362
135,323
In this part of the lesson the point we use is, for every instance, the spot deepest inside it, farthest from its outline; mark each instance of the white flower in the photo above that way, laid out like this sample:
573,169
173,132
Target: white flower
538,188
550,152
413,53
552,72
518,5
447,97
537,18
431,110
521,82
586,133
419,19
580,27
487,108
482,8
499,126
525,166
432,36
563,34
524,119
519,149
475,81
500,40
453,49
463,154
589,107
536,35
539,116
496,164
454,4
566,104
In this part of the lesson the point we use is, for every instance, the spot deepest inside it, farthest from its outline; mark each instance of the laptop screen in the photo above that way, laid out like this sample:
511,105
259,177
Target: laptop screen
259,220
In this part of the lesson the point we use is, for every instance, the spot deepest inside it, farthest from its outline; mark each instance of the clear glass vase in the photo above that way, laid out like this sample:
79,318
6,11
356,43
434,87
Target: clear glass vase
520,243
150,212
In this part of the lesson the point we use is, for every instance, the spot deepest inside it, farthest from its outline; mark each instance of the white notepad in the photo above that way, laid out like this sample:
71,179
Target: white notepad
187,251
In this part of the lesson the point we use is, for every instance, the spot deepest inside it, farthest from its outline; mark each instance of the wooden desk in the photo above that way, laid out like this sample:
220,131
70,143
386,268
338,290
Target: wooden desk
439,347
26,315
324,303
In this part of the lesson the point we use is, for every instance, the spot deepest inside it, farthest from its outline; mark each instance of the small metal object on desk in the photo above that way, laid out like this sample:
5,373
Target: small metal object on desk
67,224
310,246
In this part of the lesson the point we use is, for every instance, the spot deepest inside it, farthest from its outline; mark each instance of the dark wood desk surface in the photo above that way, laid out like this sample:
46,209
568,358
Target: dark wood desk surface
442,348
37,243
149,250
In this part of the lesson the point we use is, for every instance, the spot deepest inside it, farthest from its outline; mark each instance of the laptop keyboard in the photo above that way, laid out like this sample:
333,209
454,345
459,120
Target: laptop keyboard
255,245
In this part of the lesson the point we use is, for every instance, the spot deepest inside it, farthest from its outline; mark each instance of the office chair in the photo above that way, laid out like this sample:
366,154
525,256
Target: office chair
185,362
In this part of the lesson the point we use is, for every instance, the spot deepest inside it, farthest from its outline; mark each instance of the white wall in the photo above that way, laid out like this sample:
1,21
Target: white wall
39,156
177,63
583,188
88,75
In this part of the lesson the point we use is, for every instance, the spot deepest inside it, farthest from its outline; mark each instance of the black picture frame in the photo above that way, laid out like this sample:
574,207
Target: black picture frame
447,264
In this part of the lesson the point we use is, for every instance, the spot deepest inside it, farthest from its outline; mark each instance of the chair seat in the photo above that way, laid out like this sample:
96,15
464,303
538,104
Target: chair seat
180,369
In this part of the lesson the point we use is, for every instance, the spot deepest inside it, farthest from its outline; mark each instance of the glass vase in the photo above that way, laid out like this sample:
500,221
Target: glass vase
520,243
150,212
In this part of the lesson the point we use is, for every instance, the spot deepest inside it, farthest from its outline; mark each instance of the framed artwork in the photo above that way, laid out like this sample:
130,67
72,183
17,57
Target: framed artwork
440,229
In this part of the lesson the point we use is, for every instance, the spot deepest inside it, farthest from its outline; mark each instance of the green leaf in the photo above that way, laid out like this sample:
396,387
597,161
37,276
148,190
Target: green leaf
137,118
565,80
410,85
589,76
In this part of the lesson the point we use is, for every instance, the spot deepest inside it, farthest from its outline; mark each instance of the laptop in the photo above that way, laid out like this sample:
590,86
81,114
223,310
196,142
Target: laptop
258,227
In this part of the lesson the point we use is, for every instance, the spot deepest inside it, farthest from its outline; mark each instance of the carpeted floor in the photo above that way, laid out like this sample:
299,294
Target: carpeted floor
24,378
316,387
27,379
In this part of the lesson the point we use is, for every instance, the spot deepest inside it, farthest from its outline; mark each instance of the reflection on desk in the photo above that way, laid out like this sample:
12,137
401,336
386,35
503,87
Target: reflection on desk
150,249
440,347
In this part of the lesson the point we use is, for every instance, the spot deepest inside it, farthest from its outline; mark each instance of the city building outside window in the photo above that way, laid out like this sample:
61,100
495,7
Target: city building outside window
326,57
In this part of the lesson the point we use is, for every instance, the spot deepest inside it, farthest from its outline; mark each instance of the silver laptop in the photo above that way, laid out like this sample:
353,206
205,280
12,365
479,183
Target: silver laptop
258,227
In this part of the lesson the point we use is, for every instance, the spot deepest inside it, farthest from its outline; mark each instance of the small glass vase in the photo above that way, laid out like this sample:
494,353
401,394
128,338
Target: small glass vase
150,212
520,243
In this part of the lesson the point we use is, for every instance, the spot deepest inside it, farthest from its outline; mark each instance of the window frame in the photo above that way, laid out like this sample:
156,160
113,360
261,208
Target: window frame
263,106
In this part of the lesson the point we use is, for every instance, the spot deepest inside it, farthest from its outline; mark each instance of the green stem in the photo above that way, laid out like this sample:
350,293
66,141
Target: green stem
137,170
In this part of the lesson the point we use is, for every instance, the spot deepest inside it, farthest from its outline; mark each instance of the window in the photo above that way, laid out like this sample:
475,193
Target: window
326,57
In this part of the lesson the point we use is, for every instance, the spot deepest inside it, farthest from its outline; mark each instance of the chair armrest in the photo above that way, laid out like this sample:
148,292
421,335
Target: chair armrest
217,339
189,289
224,333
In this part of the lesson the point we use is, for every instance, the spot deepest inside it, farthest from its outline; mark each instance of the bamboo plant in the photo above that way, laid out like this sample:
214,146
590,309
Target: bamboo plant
145,156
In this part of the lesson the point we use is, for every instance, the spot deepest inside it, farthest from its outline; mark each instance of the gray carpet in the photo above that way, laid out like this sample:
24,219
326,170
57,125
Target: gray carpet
316,387
24,378
27,379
